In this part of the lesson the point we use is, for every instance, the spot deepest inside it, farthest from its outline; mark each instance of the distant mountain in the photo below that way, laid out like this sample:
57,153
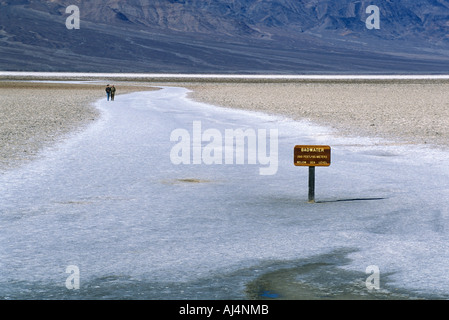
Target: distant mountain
226,36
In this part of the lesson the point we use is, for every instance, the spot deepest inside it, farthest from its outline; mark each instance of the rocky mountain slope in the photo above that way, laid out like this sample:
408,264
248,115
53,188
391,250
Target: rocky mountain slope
226,36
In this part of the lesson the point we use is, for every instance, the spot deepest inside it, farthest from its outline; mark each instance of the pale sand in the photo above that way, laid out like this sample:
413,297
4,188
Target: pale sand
405,111
36,115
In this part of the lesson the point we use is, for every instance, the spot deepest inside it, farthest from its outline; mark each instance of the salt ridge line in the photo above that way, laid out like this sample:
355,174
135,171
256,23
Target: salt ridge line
222,76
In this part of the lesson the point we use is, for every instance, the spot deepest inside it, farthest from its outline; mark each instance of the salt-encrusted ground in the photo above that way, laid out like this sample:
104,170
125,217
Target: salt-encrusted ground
406,111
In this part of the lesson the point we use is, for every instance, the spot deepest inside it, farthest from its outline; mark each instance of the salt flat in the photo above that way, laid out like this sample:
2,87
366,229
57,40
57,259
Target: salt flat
379,203
110,200
35,115
404,111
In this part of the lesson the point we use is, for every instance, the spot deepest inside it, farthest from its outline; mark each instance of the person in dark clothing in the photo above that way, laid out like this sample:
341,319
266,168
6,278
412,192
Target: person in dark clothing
112,92
108,91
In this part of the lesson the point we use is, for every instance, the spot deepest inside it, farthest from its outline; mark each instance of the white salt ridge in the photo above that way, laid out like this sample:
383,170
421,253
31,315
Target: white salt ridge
110,201
47,75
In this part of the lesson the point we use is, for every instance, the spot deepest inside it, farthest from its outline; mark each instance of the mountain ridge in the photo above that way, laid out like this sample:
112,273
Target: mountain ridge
246,36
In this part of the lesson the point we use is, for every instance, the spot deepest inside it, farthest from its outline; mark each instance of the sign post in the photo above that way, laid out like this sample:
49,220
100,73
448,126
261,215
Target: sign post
312,156
311,184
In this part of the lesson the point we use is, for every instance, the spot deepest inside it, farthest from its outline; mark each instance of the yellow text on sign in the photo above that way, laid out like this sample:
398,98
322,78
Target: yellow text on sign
312,156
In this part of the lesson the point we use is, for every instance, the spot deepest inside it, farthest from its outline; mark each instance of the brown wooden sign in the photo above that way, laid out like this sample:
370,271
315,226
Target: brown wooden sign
312,156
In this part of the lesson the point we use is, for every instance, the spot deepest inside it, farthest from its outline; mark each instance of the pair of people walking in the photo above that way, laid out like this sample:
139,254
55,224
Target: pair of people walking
110,92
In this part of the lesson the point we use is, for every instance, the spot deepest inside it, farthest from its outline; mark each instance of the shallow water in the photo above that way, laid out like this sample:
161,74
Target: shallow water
111,202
